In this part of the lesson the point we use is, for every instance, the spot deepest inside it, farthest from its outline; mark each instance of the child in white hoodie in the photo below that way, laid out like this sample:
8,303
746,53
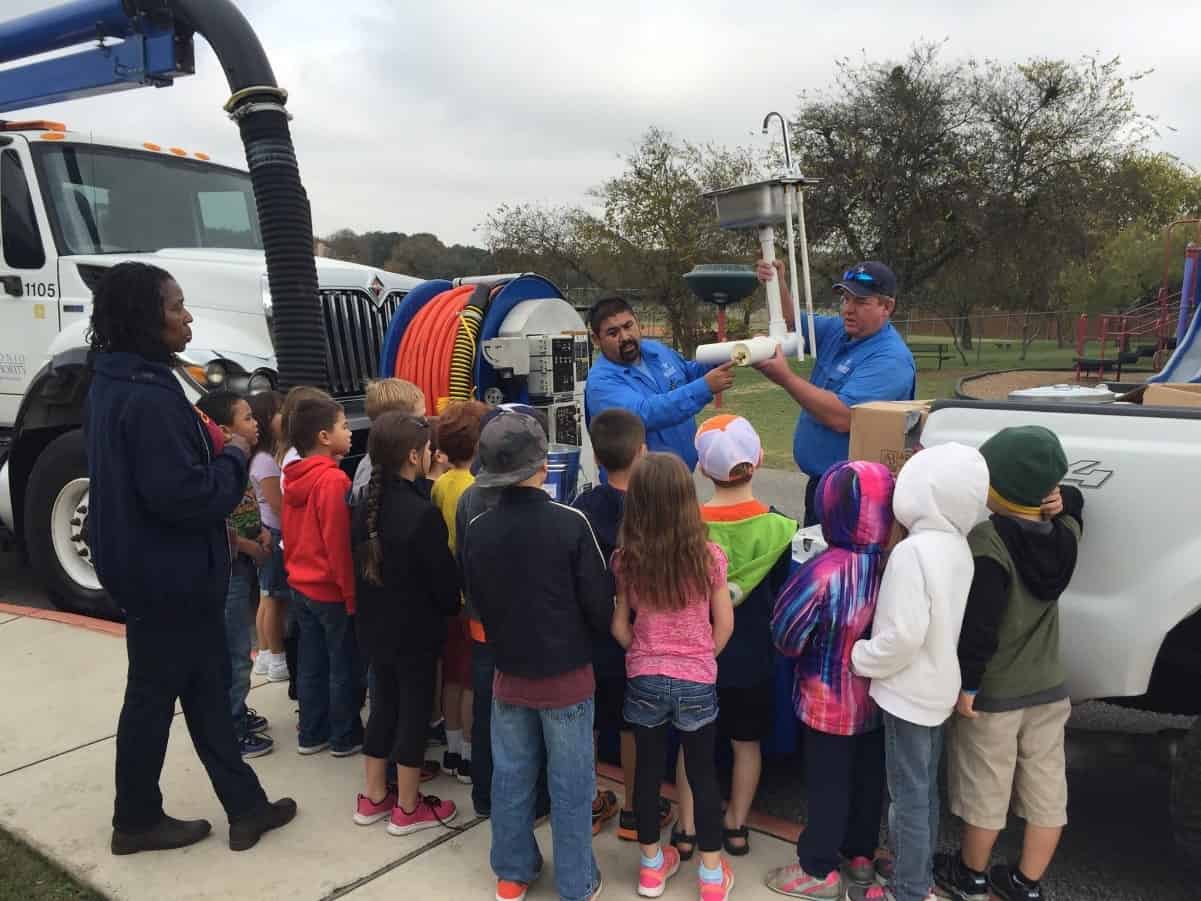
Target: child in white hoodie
912,657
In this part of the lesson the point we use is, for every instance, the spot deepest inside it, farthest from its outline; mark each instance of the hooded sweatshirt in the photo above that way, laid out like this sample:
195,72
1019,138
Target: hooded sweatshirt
161,488
911,658
1009,648
758,545
828,604
316,531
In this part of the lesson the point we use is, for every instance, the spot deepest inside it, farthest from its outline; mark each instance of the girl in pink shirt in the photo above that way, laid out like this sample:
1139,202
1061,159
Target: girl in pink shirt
673,616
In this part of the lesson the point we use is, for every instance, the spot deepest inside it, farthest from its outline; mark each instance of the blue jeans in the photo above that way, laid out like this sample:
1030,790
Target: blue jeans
911,765
519,735
237,643
483,668
329,683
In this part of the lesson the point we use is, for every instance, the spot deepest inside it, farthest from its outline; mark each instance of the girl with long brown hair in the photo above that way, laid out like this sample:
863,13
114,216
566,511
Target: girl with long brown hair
674,579
406,587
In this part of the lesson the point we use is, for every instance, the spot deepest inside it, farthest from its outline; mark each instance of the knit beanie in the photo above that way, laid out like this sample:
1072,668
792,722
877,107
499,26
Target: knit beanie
1025,463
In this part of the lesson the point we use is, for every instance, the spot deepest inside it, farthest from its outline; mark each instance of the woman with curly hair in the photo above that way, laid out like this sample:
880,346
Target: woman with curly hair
163,481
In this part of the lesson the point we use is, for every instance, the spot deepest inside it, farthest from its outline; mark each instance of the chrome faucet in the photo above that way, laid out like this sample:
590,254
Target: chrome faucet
784,129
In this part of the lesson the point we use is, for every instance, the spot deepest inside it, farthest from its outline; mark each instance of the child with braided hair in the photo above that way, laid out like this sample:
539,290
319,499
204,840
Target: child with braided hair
407,587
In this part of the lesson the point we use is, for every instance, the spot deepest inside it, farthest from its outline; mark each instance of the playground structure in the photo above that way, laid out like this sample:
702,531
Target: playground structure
1151,330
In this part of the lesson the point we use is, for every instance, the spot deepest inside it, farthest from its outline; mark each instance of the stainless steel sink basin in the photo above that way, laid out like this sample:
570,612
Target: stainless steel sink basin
759,203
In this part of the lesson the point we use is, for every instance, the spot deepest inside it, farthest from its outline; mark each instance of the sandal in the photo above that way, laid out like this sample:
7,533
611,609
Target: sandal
683,838
741,832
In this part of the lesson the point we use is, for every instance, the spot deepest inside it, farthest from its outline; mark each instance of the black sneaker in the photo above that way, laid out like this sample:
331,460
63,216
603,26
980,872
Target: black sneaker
1006,885
451,763
245,832
627,823
252,722
166,834
464,774
436,735
953,877
252,744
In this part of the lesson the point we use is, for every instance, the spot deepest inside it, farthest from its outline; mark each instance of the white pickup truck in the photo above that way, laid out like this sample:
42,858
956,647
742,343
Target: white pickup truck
71,206
1131,619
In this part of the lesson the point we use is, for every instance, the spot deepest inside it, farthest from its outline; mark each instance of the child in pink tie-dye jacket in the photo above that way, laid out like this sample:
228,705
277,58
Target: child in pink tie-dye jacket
823,609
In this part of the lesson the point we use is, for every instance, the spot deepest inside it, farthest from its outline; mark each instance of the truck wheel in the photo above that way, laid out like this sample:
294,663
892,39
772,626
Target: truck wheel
56,524
1186,795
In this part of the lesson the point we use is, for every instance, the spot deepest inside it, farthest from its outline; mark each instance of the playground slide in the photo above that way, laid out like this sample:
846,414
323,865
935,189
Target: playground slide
1185,364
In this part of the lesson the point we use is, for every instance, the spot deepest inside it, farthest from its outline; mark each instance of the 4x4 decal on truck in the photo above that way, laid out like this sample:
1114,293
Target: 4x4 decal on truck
1087,474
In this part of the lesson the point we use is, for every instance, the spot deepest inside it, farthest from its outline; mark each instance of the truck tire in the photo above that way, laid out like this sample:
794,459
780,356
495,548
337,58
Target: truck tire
1186,796
56,504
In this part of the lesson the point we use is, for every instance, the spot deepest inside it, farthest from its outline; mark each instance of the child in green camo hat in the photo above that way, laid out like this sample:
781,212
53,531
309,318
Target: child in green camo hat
1006,743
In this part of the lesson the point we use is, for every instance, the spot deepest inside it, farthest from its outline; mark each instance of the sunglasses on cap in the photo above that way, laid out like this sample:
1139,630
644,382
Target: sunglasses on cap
857,275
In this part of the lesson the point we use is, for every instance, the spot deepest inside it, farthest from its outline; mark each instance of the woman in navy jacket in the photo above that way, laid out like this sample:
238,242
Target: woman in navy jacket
162,483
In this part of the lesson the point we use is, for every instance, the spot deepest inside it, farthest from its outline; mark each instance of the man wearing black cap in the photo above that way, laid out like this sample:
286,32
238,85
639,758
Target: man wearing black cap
859,357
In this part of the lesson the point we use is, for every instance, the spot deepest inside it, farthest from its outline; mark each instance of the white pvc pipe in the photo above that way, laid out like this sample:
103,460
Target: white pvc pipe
805,271
796,303
776,326
740,353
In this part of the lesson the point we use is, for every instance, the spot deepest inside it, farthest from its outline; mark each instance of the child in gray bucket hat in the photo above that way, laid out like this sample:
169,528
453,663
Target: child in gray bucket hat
535,573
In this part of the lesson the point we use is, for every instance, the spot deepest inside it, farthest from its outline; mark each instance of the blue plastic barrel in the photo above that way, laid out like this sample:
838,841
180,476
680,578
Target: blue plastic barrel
563,464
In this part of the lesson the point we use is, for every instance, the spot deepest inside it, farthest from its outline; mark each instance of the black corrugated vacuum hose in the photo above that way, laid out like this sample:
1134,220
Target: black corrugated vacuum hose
257,105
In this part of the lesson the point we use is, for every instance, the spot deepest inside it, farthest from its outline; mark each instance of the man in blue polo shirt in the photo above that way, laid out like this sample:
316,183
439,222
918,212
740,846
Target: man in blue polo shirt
649,379
860,357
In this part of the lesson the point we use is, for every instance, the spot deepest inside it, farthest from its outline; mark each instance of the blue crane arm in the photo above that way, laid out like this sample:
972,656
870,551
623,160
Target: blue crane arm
132,50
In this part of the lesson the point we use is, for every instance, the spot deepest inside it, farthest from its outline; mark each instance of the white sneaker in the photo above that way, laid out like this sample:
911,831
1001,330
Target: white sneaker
277,670
262,662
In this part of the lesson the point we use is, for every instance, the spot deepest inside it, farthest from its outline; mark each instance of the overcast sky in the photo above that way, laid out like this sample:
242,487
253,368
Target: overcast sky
425,116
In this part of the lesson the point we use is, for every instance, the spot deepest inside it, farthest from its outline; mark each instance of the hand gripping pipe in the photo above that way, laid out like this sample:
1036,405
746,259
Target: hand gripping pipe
285,219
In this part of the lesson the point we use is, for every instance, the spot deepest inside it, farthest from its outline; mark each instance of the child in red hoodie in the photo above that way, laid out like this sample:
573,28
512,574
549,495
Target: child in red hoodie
320,566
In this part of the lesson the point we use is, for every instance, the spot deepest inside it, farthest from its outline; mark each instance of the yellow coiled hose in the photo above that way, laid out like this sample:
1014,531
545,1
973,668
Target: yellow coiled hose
462,357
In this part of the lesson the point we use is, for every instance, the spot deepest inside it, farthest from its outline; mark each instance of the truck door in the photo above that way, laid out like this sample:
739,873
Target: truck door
28,281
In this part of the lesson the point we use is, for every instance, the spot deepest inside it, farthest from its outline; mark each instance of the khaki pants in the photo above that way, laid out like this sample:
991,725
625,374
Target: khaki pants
1013,756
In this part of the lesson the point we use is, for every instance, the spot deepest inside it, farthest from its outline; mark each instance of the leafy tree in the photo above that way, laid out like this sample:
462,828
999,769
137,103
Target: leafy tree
651,227
976,181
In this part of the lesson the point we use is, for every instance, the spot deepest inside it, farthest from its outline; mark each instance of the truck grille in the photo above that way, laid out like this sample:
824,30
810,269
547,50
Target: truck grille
355,324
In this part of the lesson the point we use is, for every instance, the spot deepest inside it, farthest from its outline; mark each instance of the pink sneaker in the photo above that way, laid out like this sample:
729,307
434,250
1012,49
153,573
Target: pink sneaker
368,812
718,891
794,882
430,812
653,880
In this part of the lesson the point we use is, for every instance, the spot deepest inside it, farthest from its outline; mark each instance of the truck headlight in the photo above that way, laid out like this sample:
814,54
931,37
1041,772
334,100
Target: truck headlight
260,380
215,373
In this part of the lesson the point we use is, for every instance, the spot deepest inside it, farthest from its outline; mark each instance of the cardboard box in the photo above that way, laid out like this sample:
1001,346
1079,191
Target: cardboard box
1172,394
887,432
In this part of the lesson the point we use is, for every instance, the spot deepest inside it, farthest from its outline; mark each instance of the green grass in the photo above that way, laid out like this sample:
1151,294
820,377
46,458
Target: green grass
27,876
774,413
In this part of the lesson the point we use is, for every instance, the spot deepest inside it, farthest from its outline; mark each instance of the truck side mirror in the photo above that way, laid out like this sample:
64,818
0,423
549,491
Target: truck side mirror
12,285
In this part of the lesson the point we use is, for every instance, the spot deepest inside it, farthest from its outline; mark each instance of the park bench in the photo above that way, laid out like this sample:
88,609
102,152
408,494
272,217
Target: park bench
938,350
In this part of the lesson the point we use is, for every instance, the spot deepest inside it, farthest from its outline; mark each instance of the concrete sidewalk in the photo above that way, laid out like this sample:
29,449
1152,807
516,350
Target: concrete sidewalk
62,684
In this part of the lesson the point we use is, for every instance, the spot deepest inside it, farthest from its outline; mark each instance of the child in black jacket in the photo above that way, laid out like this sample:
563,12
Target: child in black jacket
536,575
407,585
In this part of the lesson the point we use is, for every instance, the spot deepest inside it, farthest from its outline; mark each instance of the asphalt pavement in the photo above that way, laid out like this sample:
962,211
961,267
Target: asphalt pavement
1118,846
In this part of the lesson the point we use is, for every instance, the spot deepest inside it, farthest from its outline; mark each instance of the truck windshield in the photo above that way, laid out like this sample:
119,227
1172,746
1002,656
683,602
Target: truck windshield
110,200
